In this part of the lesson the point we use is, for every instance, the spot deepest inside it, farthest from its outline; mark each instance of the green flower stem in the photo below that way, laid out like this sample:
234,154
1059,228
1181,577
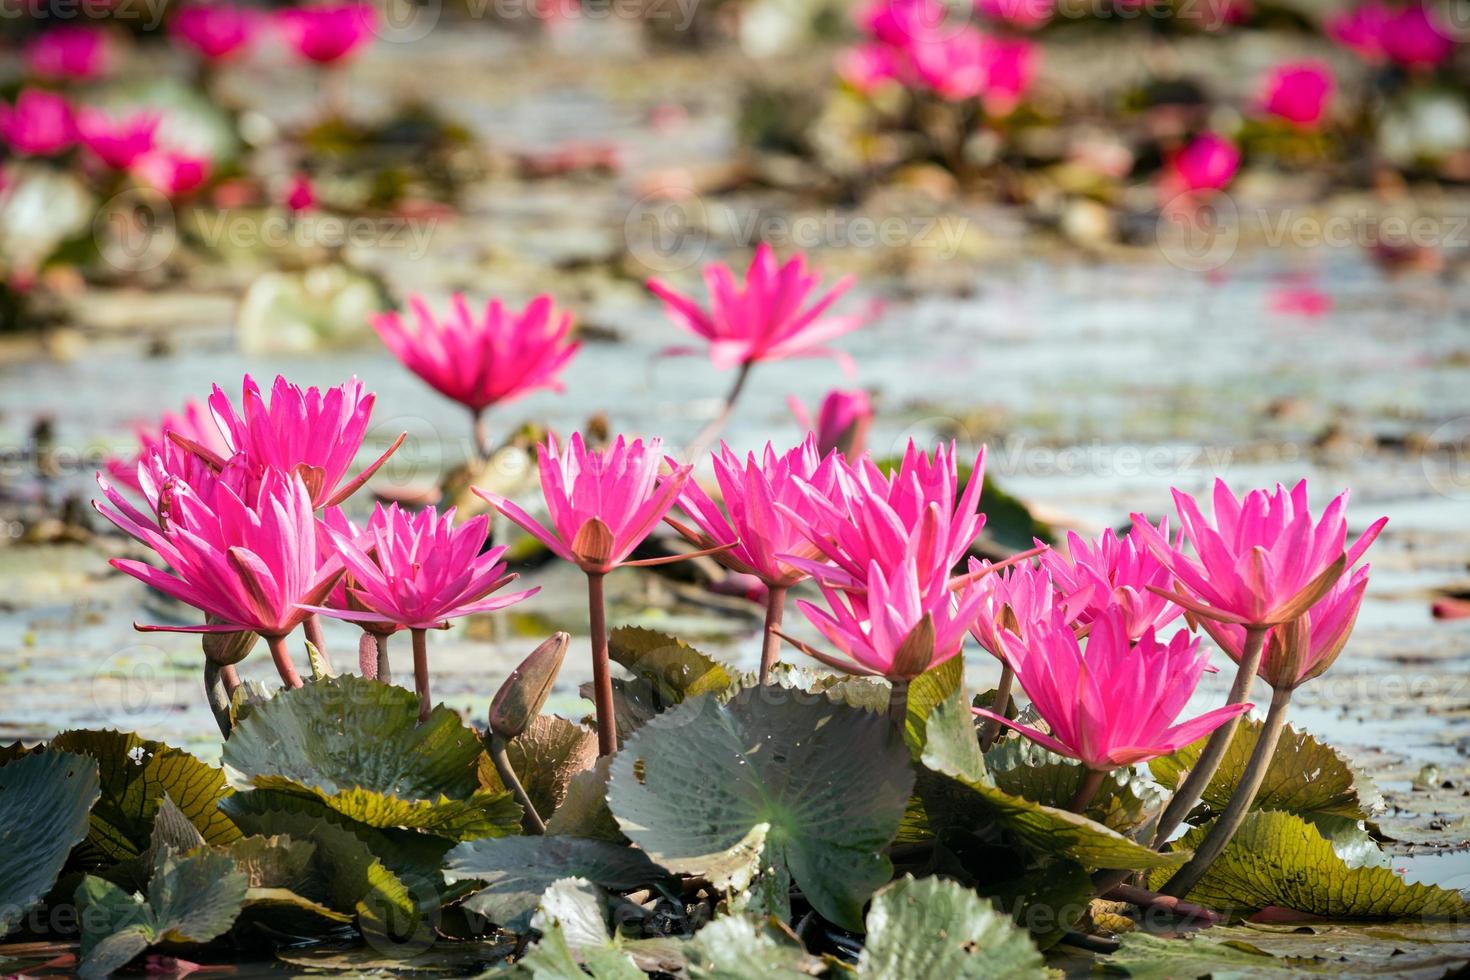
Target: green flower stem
282,657
991,729
1193,787
898,702
219,692
770,640
482,435
421,672
716,425
512,782
385,672
1087,792
1225,826
607,725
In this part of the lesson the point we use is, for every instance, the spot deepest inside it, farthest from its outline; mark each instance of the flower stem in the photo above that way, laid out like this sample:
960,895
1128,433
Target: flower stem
1225,826
770,639
482,435
421,672
1091,782
385,672
991,731
716,425
1193,787
512,782
1147,900
313,626
218,693
282,657
898,702
607,726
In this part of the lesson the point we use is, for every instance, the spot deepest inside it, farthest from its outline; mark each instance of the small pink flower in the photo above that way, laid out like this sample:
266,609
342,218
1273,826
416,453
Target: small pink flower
764,320
842,421
1360,30
1299,92
899,22
1117,704
419,570
1264,560
117,143
217,32
1307,301
72,53
194,423
171,173
481,360
300,194
1018,600
602,504
39,124
1413,37
1115,572
329,32
1207,163
867,67
1025,14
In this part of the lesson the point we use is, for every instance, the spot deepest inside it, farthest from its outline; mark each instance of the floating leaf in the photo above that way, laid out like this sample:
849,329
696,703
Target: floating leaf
741,947
1150,957
357,745
1124,802
931,927
821,785
547,755
1277,858
584,812
44,801
674,668
925,693
517,871
572,920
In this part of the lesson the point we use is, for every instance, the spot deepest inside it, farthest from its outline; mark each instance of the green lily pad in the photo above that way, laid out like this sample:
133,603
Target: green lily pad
572,920
357,746
709,788
931,927
192,898
925,693
136,775
44,801
741,947
1125,801
546,757
1279,859
516,872
584,812
1148,957
674,669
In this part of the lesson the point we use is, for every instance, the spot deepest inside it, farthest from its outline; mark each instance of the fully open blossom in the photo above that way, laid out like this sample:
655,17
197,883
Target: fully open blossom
72,52
250,558
420,570
1116,703
1299,92
1206,163
1298,651
602,504
195,425
1016,600
216,31
329,32
1115,572
171,173
748,518
117,142
40,124
766,319
842,421
479,360
1263,560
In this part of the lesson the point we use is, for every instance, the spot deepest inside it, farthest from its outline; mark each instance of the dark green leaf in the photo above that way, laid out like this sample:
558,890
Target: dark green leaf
44,801
931,927
547,755
674,668
1125,802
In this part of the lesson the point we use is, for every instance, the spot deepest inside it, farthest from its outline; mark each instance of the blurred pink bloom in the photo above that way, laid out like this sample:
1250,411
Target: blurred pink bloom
968,64
300,194
307,432
1299,92
250,559
194,424
1207,163
866,67
1298,651
1305,301
764,320
170,173
39,124
1025,14
1117,704
900,22
842,421
761,532
1360,30
1114,572
1414,37
1263,561
601,504
217,32
329,32
117,142
481,360
73,52
1017,600
419,570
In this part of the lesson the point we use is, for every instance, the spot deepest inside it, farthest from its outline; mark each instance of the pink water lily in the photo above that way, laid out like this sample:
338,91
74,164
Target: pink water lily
842,421
1017,600
1299,92
768,318
1206,163
1116,703
1115,571
117,142
70,53
1263,560
327,33
171,173
216,31
196,425
39,124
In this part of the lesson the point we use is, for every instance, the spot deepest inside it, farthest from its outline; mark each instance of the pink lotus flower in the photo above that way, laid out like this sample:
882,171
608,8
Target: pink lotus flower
329,32
842,421
196,426
70,53
39,124
968,64
1018,600
1298,651
1116,705
1207,163
765,320
300,195
866,67
899,22
1414,38
602,504
217,32
482,360
1307,301
1299,92
171,173
1115,572
310,433
1263,561
1360,30
1025,14
760,533
418,571
117,143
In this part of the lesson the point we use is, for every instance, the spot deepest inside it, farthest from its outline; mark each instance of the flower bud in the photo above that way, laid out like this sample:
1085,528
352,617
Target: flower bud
520,698
226,649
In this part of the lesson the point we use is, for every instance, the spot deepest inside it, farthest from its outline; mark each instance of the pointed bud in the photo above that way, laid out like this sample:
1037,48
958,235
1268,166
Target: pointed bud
916,654
521,697
227,649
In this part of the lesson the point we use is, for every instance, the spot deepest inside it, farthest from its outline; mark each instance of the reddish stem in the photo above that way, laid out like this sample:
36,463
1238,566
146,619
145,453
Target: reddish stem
421,672
607,734
771,639
282,657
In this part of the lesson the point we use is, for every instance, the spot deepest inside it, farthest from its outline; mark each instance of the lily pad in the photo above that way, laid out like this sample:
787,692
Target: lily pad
357,746
1150,957
516,872
931,927
44,801
572,920
674,669
547,755
709,788
1124,802
741,947
584,812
